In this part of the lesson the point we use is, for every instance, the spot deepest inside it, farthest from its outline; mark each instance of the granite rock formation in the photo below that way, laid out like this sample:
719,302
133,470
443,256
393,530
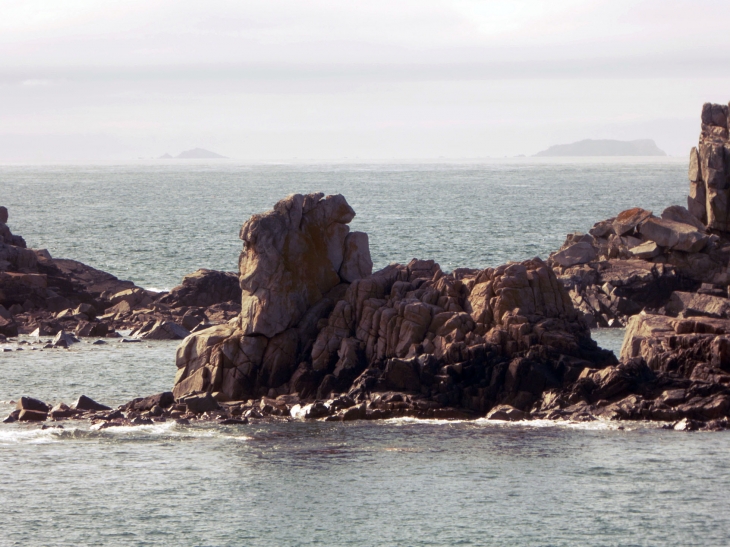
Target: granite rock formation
636,260
315,323
44,295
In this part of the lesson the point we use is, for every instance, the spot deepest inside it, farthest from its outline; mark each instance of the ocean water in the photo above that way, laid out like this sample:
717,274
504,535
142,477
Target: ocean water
154,223
400,482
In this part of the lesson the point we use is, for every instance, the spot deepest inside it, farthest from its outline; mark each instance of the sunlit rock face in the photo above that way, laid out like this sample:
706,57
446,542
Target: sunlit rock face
315,320
709,170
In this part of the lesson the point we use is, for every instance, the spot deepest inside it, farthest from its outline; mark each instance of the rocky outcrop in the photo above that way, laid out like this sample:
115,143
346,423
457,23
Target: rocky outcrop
634,263
709,169
292,257
204,288
49,295
314,324
685,249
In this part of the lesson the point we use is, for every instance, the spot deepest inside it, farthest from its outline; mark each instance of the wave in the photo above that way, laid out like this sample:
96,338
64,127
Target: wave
20,433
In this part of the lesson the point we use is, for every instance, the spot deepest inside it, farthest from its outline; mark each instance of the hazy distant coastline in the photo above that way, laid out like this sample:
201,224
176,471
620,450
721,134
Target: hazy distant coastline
605,147
195,153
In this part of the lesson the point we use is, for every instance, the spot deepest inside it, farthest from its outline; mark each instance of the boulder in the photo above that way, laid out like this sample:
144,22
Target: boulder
677,213
674,235
86,403
507,413
64,340
646,250
91,329
197,404
357,412
161,330
62,410
32,416
204,288
8,326
163,400
29,403
627,221
696,304
86,309
579,253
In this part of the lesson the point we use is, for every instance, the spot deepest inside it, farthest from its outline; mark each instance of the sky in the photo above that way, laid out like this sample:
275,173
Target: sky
329,80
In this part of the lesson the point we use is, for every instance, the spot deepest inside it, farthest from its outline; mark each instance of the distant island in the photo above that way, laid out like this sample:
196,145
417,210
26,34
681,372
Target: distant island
195,153
605,147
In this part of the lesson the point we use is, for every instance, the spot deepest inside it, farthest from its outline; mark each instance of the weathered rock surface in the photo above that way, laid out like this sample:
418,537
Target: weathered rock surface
49,295
688,249
708,172
291,258
204,288
471,339
670,370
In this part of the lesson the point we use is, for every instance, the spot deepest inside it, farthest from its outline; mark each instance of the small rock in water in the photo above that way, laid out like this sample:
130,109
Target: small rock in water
64,340
686,424
86,403
507,413
29,403
98,342
32,416
197,404
230,421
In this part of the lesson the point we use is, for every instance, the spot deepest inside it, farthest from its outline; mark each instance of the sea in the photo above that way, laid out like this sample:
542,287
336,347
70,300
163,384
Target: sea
400,482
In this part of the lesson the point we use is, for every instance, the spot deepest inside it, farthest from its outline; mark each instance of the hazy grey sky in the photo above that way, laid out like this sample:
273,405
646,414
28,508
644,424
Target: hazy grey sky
278,79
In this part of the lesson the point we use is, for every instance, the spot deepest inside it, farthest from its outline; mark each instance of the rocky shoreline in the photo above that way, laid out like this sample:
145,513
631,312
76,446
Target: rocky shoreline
306,330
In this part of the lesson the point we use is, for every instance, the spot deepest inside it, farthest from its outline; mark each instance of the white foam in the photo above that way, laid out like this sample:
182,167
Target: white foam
594,425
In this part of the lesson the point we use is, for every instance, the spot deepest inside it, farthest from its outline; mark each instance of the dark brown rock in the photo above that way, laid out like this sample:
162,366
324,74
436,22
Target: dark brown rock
32,416
29,403
86,403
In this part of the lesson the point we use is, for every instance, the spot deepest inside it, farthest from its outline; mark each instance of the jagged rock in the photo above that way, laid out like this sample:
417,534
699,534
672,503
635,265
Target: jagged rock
204,288
677,213
708,173
402,375
86,403
646,250
29,403
290,260
405,327
627,221
8,326
161,330
64,340
91,328
580,253
32,416
690,304
507,413
197,404
356,263
674,235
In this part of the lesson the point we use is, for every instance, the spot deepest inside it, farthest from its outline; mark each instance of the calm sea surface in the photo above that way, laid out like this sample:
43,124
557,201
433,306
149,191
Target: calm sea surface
393,483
